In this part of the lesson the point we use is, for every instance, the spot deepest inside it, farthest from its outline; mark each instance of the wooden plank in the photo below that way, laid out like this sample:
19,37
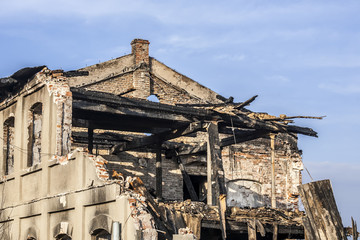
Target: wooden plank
321,209
251,229
187,180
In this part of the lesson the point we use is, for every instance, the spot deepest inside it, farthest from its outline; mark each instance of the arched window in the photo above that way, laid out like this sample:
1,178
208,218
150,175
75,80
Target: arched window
101,234
35,125
9,132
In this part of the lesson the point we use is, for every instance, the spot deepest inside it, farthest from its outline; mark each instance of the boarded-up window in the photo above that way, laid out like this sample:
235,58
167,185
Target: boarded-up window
34,144
9,132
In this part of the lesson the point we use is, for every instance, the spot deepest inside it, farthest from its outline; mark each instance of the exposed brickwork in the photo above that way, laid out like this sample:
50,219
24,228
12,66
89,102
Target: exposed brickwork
115,86
247,169
140,48
62,95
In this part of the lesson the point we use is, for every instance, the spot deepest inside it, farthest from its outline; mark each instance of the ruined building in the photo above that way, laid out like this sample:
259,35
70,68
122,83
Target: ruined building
131,147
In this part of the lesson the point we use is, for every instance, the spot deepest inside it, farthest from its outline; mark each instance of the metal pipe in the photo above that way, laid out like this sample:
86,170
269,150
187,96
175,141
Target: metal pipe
115,235
273,196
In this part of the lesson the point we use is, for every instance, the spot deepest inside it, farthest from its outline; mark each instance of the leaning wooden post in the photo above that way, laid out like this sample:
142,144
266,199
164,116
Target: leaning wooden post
158,172
323,219
273,192
217,173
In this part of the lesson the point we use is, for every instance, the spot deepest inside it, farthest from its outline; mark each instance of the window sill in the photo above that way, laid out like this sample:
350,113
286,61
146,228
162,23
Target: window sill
32,169
7,178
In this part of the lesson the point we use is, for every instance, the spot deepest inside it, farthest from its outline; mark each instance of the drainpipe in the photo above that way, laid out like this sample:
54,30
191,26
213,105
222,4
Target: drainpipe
115,235
273,196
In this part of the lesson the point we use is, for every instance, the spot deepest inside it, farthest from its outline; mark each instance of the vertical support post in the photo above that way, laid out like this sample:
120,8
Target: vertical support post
90,140
273,192
216,173
209,175
158,172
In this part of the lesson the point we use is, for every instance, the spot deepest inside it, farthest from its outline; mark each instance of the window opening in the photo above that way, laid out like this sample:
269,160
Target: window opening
34,145
199,183
9,132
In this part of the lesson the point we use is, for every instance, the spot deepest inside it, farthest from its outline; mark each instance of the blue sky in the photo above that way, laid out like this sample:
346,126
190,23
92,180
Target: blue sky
300,57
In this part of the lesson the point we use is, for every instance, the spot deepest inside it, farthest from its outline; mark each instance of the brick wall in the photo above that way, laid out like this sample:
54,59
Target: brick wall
247,169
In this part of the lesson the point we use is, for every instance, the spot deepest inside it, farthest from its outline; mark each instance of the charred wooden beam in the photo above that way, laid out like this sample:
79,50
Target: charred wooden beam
163,136
247,102
323,215
216,172
292,117
243,121
93,109
105,137
131,103
107,122
241,136
90,140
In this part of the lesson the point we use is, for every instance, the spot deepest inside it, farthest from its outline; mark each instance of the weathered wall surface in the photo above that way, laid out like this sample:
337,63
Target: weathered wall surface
76,204
247,169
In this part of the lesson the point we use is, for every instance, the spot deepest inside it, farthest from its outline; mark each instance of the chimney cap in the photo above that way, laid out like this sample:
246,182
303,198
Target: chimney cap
138,40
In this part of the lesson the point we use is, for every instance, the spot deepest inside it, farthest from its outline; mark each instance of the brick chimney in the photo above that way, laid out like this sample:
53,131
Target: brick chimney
140,49
141,78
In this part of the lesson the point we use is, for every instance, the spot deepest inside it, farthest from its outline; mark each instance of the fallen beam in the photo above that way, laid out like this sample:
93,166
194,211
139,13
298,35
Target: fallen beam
321,210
